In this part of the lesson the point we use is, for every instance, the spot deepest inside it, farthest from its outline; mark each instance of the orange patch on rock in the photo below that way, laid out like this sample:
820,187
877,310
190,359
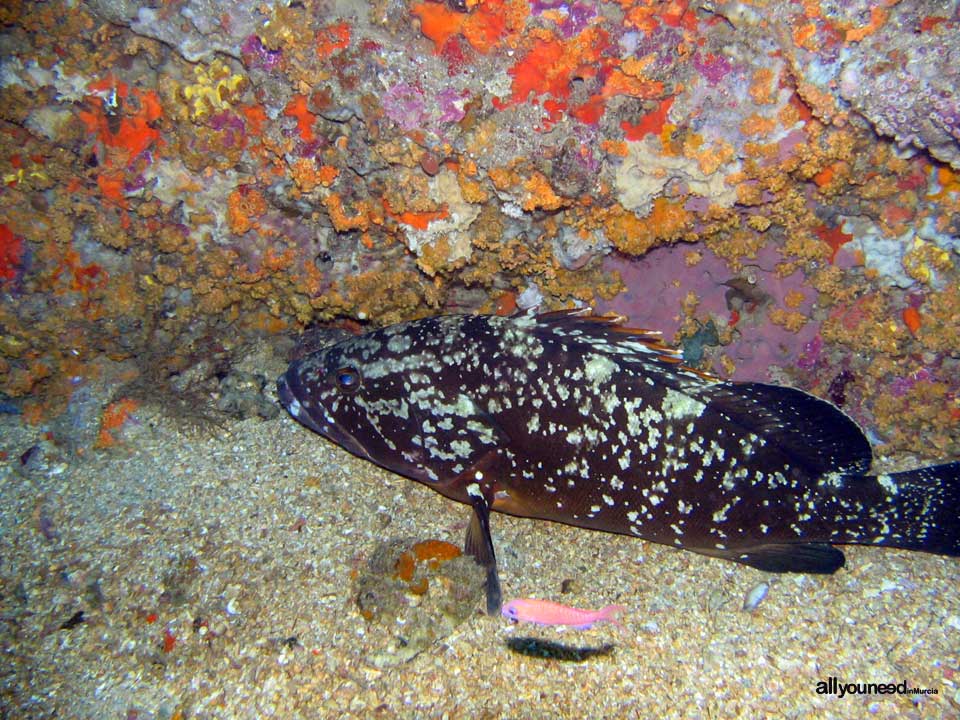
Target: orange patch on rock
803,34
550,65
763,88
416,220
111,186
834,237
540,195
133,134
11,253
757,124
651,123
506,303
435,552
912,319
485,27
823,178
342,221
438,22
256,118
332,38
114,417
297,108
244,206
620,83
878,16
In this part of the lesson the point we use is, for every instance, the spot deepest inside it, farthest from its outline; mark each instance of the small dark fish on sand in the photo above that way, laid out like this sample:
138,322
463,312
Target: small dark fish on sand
574,418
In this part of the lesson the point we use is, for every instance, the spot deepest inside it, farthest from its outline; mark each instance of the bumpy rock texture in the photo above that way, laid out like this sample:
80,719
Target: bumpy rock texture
772,184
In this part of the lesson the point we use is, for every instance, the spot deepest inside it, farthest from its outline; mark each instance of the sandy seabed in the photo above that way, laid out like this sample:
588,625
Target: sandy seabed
211,575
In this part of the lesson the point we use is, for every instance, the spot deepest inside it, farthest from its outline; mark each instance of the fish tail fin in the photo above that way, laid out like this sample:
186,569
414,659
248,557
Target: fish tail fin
611,614
923,509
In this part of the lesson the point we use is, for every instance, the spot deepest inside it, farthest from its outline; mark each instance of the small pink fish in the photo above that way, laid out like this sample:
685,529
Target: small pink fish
545,612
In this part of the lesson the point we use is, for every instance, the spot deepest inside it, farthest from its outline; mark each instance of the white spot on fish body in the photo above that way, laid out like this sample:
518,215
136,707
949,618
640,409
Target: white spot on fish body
887,483
599,369
679,406
610,401
435,451
484,434
461,448
295,408
399,344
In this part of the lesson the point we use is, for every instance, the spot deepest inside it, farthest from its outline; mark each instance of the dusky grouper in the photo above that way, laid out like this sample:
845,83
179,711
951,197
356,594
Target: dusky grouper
574,418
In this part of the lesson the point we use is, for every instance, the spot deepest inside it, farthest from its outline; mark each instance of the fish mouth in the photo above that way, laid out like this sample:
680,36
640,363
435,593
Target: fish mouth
289,390
288,387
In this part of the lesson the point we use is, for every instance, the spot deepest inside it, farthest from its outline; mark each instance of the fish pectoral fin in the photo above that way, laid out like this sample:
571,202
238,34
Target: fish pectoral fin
818,558
479,544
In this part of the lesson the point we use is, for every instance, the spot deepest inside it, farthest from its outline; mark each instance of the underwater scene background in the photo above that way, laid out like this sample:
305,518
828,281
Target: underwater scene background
194,192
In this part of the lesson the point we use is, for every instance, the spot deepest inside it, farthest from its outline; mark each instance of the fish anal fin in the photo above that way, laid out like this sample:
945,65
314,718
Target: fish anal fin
816,558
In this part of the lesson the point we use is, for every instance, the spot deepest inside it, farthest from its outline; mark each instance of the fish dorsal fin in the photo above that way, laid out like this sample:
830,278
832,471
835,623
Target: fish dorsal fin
607,333
810,429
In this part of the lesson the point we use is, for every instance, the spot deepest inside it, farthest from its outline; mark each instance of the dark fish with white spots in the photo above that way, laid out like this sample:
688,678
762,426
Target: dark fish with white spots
574,418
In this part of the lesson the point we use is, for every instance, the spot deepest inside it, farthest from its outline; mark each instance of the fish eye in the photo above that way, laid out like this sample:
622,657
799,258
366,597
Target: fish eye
348,379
